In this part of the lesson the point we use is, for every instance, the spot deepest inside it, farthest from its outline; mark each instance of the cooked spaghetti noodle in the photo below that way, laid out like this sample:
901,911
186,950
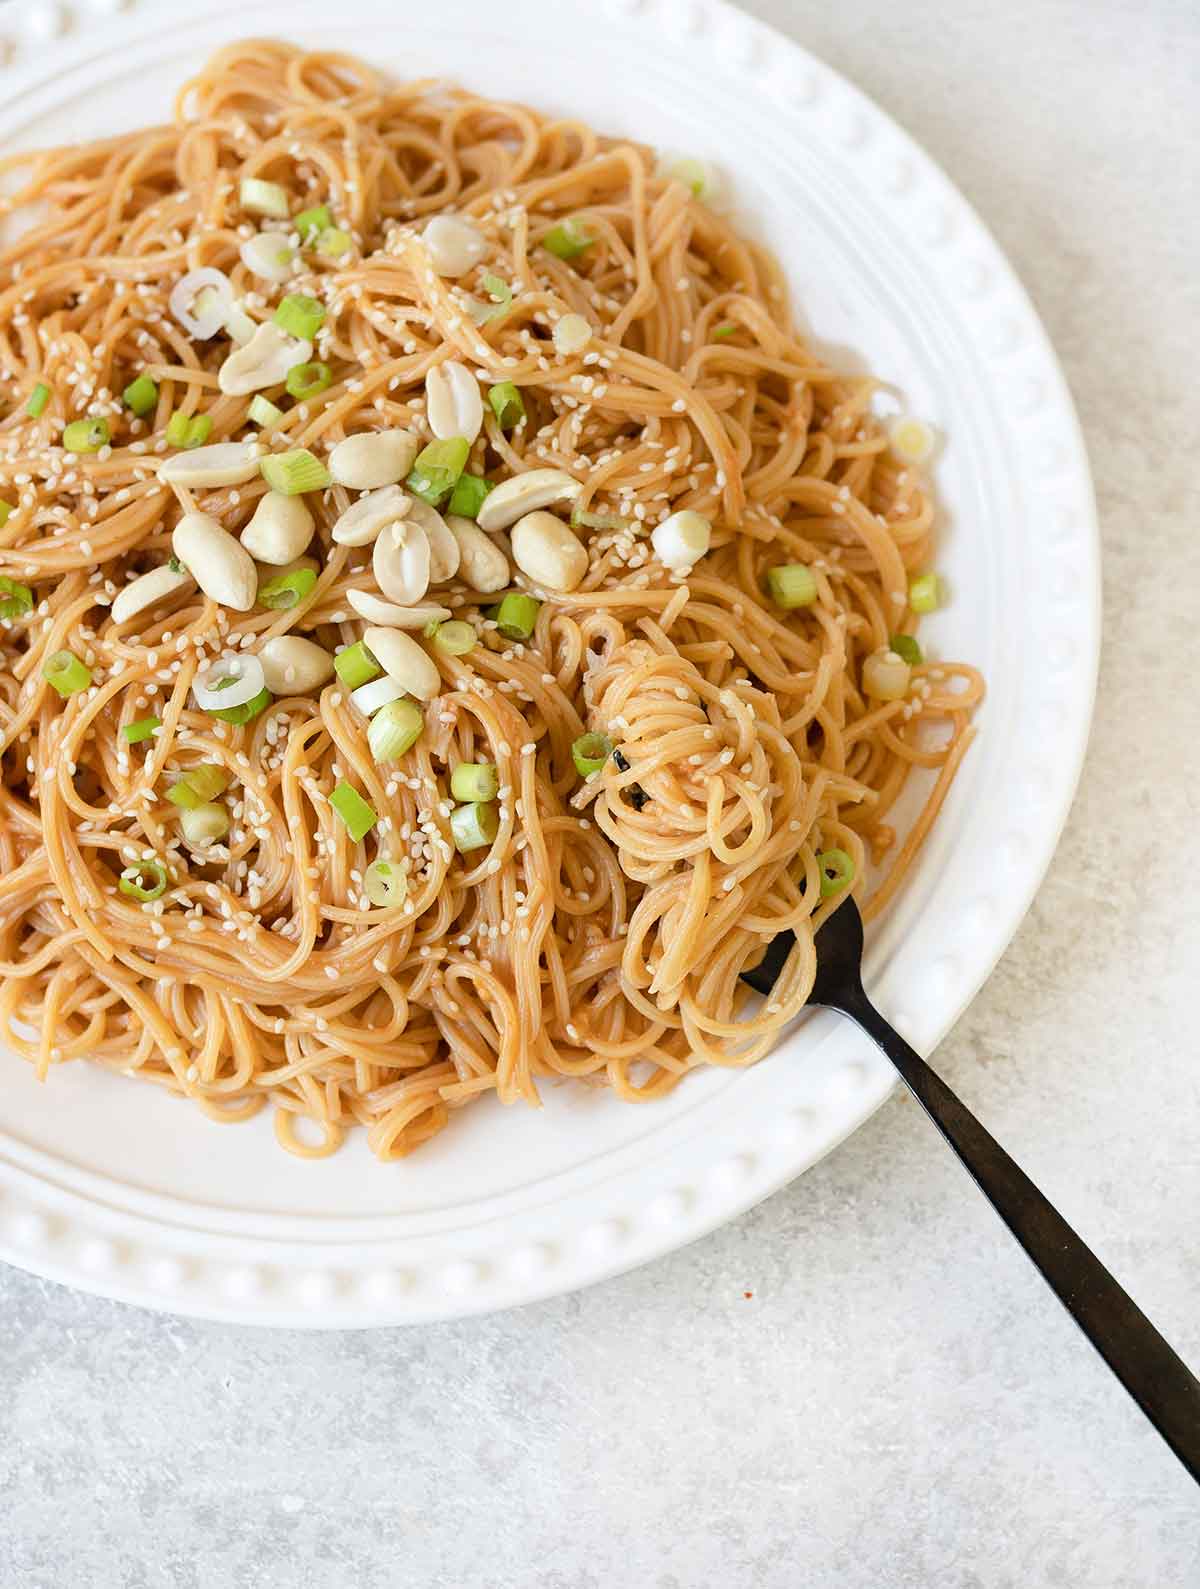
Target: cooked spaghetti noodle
601,932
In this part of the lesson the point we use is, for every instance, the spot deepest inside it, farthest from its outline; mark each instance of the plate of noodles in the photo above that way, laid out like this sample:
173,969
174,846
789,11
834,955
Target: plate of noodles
494,529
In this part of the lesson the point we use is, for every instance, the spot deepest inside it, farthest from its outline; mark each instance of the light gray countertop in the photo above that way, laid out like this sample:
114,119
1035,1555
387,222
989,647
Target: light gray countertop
901,1405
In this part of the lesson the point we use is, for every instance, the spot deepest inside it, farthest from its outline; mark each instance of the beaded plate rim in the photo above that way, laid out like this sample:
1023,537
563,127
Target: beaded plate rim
155,1253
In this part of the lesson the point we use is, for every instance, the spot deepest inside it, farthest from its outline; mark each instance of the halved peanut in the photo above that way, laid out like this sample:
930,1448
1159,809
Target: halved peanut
146,591
524,493
400,562
363,520
375,458
548,552
390,616
263,361
443,548
221,566
481,563
279,529
403,660
225,463
293,665
453,401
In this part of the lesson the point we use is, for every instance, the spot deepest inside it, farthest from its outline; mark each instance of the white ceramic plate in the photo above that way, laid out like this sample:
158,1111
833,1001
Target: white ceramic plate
112,1186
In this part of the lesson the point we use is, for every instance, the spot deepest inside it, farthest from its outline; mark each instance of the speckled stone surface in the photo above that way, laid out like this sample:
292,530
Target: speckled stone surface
899,1404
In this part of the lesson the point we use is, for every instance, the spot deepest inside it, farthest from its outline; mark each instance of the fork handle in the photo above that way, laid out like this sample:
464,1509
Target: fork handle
1154,1375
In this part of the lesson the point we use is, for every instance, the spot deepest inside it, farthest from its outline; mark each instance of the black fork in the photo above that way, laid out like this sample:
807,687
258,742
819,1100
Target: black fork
1151,1371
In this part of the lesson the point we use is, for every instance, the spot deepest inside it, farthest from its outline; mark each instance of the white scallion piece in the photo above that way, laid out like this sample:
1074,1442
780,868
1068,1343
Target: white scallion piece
911,440
204,824
454,246
682,540
239,324
242,668
200,301
268,255
572,334
379,692
264,198
385,884
701,176
886,675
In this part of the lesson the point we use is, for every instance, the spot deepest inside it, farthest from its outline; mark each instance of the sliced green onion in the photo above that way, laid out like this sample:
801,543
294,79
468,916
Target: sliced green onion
474,825
729,329
175,565
516,616
86,435
38,398
208,779
394,729
145,881
385,884
467,497
455,637
199,430
294,472
262,411
792,585
695,174
926,593
15,600
66,673
205,824
837,871
286,591
198,785
474,780
437,469
188,430
355,665
264,198
334,242
905,645
246,712
507,404
144,728
312,222
589,753
299,315
568,239
306,380
140,395
357,816
501,295
6,510
581,518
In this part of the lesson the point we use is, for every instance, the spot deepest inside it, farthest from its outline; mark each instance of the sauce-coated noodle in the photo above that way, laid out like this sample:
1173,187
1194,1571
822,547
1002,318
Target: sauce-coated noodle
602,933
